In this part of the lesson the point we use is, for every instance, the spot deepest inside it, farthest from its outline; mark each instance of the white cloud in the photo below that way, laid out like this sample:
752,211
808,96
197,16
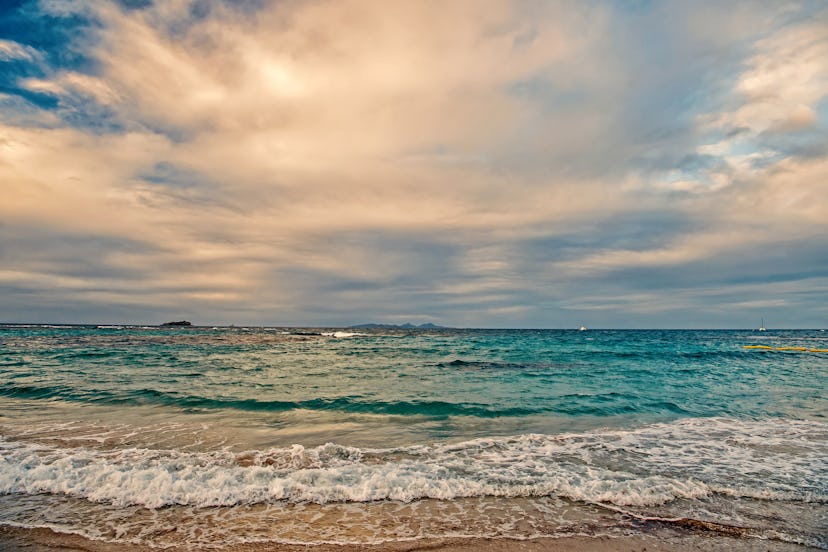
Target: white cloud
11,51
778,92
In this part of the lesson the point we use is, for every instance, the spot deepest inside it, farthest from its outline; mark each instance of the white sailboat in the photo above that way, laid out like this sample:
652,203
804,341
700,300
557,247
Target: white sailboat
762,326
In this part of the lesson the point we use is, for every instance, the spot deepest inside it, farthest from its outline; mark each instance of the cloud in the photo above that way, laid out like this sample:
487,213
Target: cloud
12,51
505,163
775,101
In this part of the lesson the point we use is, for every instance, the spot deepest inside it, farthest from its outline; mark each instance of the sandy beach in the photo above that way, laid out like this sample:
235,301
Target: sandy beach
660,540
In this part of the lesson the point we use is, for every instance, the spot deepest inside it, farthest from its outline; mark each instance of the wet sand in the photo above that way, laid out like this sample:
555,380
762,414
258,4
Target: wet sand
44,540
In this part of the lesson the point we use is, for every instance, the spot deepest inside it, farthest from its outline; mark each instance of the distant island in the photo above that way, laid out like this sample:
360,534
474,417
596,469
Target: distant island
407,326
179,323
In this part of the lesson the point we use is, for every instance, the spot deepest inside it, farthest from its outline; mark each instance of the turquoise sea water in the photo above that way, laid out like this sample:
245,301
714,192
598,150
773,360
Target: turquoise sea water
224,435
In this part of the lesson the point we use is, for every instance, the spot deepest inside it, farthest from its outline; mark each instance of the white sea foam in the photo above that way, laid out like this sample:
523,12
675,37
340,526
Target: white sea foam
342,335
688,459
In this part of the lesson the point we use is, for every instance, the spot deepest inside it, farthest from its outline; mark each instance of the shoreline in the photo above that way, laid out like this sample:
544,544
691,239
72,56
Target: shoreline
13,539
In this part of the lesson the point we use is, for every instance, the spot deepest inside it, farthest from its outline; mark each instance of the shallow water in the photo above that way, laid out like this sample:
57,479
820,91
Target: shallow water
224,435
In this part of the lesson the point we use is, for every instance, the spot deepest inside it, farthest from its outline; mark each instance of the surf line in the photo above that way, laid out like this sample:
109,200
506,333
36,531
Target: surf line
800,349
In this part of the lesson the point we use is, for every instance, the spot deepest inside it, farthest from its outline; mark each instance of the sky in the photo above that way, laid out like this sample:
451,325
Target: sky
476,163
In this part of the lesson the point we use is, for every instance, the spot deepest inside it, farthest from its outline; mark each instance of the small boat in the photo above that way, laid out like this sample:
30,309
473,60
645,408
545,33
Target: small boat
582,328
762,326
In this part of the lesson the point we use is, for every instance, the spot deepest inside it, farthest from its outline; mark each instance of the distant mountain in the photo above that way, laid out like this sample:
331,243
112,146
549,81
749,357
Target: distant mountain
407,326
178,323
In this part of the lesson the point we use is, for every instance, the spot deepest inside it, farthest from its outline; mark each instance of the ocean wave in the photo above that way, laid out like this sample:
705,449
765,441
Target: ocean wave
345,404
690,459
595,404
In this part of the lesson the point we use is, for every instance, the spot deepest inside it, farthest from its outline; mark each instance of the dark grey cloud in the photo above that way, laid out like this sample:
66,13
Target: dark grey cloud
58,253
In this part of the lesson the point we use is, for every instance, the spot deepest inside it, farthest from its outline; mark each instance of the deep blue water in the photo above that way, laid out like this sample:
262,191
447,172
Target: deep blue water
102,422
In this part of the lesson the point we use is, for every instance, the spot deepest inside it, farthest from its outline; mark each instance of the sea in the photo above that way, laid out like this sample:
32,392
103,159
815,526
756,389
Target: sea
213,436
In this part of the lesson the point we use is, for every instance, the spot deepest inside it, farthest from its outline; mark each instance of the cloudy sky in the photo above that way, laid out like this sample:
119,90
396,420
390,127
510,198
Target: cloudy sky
468,163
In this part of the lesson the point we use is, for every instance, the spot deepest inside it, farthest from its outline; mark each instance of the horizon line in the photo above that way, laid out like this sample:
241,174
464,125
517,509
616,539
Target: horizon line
391,325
